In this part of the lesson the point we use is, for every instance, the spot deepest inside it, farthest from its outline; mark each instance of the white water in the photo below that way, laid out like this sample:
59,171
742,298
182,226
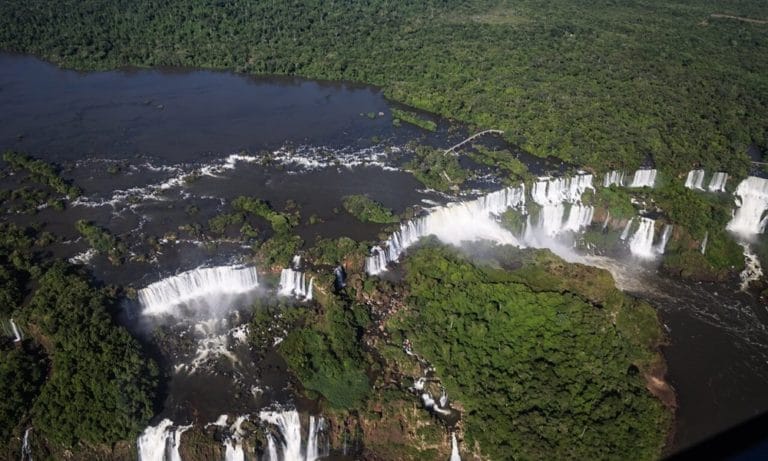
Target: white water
206,284
752,200
26,448
662,245
552,191
288,447
16,332
717,183
643,178
695,179
454,448
703,248
556,196
161,442
641,242
454,223
233,446
625,232
613,178
753,271
292,283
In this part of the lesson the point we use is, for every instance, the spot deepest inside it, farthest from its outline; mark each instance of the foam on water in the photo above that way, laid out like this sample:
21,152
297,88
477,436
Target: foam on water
753,271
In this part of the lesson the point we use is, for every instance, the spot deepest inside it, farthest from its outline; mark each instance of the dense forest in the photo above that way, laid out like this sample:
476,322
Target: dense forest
606,85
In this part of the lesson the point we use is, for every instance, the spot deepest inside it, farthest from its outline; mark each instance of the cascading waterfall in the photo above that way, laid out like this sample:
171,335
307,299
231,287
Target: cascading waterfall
752,268
454,223
703,248
340,277
17,336
613,178
641,243
625,232
292,283
695,180
643,178
26,447
233,446
161,298
717,183
662,245
752,200
161,442
454,448
289,444
554,195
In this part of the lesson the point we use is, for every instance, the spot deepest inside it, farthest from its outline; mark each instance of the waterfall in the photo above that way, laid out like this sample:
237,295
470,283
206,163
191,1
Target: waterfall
454,223
454,448
752,269
752,198
607,220
704,243
553,194
717,183
695,180
292,283
17,336
233,446
627,227
613,177
207,284
340,276
26,448
579,216
641,243
662,245
643,178
289,443
161,442
551,191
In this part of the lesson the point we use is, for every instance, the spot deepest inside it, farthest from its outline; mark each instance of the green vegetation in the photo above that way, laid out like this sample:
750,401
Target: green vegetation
333,251
502,159
101,387
41,172
615,200
368,210
435,169
547,361
102,240
412,118
699,214
600,86
326,354
280,222
21,374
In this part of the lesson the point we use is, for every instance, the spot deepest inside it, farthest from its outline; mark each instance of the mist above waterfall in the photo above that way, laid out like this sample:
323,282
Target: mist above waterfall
199,293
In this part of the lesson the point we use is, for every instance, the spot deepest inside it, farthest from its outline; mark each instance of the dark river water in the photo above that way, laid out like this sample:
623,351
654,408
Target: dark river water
146,146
